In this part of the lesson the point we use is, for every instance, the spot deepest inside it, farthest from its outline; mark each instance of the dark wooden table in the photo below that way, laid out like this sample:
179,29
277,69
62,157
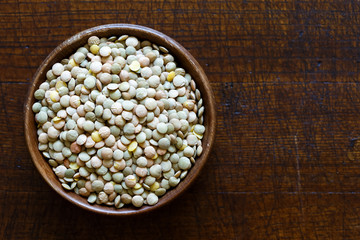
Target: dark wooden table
285,75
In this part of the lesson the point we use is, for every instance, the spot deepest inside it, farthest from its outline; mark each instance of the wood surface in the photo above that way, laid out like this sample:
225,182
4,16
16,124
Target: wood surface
285,79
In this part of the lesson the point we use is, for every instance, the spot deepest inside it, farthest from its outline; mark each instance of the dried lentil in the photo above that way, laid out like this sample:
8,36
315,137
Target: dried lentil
120,120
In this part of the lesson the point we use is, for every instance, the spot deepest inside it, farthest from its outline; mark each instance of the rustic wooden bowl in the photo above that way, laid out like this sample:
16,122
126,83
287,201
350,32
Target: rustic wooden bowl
182,57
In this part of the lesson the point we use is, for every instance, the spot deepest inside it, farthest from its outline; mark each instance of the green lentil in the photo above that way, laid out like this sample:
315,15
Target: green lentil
141,162
173,181
199,129
141,137
164,143
165,184
169,174
184,163
107,177
92,198
72,158
83,156
99,110
115,131
36,107
137,201
162,128
69,173
63,91
129,128
83,172
89,126
118,154
39,94
53,163
152,199
89,82
118,177
66,152
115,95
160,192
118,188
58,146
106,114
101,171
97,185
90,116
41,117
71,135
79,57
108,103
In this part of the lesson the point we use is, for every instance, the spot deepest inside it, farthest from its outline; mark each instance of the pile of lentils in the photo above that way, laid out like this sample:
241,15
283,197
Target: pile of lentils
119,122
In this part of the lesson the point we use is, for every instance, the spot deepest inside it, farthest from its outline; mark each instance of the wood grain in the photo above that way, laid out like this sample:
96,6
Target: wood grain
285,79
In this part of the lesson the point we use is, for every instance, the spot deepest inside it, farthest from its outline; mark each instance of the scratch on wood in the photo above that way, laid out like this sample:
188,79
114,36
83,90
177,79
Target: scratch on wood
298,182
298,179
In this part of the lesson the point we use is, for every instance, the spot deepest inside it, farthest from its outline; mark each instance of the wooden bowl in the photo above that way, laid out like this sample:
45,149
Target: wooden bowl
182,57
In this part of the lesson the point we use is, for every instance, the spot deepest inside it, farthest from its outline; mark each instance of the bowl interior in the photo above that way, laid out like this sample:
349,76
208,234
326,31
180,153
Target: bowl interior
182,57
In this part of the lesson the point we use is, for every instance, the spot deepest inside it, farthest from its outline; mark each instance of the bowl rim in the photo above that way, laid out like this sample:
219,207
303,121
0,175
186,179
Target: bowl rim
154,36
